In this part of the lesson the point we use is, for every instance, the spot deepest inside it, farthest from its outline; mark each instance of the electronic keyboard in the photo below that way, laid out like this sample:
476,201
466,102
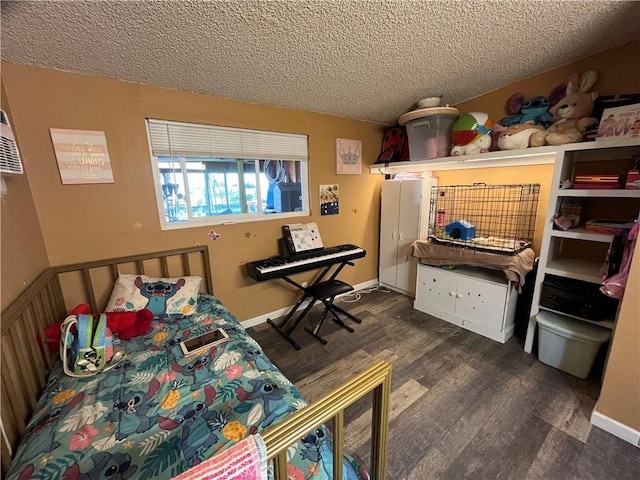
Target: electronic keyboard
278,267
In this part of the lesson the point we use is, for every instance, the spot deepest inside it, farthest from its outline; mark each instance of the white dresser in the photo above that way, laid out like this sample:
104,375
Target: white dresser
478,299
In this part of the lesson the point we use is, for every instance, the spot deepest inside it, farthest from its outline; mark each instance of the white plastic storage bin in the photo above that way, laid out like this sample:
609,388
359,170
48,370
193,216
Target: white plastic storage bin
567,344
429,131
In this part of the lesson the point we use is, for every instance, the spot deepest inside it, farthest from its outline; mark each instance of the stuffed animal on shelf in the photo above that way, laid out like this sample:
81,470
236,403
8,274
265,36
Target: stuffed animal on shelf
517,136
532,110
471,134
495,135
571,113
126,325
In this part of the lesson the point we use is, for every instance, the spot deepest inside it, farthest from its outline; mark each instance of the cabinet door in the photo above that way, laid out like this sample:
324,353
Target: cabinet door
389,231
437,287
481,302
408,228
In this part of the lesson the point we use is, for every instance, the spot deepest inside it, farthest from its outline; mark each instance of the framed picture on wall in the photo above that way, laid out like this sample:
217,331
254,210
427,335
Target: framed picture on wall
348,156
329,200
82,156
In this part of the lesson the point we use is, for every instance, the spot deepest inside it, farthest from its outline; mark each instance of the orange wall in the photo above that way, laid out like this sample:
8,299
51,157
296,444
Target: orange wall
86,222
23,253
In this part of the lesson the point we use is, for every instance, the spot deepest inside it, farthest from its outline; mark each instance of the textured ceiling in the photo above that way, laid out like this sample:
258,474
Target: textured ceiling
356,58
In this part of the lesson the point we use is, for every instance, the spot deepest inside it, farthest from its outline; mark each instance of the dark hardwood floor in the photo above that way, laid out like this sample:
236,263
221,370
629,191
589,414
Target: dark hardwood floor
462,406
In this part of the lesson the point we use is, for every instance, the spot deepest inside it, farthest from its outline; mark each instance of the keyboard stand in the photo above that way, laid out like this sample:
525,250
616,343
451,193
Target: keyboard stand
313,293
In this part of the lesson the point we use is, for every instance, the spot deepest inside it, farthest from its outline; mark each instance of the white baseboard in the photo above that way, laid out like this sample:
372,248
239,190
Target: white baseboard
616,428
252,322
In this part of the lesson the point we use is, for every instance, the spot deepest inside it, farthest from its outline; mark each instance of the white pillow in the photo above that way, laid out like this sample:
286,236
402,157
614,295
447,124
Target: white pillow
163,296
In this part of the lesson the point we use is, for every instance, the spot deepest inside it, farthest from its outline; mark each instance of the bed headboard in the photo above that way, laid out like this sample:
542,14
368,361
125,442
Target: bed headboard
26,363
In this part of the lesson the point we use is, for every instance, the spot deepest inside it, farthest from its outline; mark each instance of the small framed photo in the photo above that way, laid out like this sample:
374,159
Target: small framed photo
329,200
348,156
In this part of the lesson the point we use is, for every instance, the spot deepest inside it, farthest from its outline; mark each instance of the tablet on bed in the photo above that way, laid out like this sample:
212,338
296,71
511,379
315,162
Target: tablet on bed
203,342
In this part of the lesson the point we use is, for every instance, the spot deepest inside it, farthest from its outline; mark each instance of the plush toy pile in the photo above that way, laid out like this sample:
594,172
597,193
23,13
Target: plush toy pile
562,117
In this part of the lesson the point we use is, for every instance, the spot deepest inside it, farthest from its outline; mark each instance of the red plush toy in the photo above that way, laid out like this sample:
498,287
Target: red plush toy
126,325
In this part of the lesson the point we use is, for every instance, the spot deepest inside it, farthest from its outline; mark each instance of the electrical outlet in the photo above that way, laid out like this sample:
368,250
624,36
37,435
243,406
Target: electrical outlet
304,284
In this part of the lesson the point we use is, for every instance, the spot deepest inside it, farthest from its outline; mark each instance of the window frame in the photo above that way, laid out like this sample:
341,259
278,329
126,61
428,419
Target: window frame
227,219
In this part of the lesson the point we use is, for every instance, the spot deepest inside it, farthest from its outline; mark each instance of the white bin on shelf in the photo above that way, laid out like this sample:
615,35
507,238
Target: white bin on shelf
429,131
568,344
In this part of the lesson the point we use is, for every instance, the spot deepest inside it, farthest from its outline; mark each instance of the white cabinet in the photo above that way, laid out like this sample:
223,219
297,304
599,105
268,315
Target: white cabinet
479,300
403,219
578,253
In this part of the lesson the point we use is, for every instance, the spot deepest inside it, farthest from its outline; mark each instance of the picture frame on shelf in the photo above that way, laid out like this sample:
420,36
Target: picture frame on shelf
620,122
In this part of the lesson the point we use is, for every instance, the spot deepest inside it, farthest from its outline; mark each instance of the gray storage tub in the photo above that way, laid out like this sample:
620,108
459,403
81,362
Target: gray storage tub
567,344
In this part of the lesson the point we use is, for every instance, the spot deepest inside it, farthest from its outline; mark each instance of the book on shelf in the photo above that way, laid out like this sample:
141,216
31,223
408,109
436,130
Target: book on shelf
595,186
633,175
609,226
597,178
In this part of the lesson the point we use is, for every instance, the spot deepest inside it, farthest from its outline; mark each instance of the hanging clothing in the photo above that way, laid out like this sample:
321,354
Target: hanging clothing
614,285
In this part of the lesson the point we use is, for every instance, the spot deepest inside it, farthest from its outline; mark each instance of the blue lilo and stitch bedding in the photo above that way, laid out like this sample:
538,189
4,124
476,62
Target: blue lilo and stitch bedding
159,413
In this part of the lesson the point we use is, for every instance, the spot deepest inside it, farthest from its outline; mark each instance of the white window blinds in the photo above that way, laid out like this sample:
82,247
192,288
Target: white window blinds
190,139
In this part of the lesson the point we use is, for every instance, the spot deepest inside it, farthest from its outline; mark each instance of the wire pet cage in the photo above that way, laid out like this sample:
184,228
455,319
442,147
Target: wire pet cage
498,218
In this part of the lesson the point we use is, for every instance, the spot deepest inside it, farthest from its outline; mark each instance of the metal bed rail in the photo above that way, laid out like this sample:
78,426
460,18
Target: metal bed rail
376,379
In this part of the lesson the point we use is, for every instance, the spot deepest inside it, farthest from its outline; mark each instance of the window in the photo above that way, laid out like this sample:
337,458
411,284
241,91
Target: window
207,175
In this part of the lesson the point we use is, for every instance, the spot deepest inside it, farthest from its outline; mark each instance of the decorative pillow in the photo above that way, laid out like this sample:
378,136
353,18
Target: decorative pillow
163,296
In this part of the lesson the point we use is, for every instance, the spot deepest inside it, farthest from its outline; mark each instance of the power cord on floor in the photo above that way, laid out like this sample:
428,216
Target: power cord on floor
356,296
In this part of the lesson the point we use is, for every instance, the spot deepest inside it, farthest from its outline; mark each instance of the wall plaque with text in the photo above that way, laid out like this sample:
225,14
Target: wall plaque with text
82,156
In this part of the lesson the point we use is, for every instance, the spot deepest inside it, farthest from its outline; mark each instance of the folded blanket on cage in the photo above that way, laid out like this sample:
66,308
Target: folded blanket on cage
515,267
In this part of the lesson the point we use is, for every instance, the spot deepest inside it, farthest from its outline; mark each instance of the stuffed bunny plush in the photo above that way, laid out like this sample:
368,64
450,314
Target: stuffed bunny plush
571,114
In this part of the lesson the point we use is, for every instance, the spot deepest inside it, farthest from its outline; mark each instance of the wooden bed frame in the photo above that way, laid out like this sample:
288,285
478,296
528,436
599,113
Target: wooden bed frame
25,362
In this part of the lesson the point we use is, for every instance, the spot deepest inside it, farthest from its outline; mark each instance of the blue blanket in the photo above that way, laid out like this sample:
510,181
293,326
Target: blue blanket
159,412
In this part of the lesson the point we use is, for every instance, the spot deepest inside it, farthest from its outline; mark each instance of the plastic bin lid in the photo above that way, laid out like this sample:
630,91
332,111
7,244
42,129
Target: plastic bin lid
428,112
571,328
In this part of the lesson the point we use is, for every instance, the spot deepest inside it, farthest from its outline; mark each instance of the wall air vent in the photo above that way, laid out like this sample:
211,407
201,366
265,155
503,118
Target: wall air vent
9,155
